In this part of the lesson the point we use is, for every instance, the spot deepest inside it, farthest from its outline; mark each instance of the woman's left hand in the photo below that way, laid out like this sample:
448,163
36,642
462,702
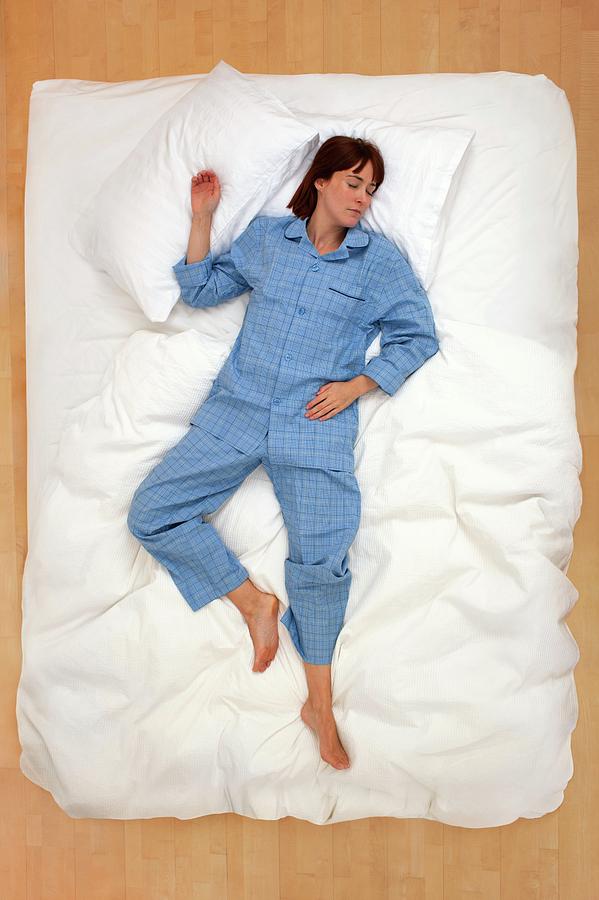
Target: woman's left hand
330,399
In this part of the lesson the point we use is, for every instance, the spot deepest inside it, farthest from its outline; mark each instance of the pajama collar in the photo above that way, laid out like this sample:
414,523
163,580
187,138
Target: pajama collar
356,237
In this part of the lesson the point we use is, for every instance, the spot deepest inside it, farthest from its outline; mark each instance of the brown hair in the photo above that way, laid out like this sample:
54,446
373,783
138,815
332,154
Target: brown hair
336,154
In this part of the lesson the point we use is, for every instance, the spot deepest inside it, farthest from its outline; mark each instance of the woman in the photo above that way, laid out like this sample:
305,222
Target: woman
322,288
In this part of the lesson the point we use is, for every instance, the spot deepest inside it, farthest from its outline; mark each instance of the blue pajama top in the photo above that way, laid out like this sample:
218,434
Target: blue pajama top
309,320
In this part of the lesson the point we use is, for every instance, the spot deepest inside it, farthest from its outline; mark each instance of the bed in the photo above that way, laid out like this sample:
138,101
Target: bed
453,676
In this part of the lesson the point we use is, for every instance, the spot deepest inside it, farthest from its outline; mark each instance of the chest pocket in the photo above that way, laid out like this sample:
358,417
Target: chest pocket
345,292
345,298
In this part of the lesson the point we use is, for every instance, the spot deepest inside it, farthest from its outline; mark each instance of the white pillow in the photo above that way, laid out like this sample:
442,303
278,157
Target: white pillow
422,168
137,225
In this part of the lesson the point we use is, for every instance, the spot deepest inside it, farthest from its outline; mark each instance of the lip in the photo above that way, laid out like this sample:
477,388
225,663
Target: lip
356,211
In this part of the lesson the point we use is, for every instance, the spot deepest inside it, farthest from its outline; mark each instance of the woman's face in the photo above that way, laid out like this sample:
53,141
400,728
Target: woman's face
346,196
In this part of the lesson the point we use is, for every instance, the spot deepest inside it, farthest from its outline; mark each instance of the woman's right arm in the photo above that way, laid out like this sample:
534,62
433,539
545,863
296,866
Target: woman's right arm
205,197
205,280
199,237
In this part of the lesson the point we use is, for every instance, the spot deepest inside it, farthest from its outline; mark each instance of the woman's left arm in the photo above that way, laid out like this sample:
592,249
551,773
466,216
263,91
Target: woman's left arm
408,336
408,339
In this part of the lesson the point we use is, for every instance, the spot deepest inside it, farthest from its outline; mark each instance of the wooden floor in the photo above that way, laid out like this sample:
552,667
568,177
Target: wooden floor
43,852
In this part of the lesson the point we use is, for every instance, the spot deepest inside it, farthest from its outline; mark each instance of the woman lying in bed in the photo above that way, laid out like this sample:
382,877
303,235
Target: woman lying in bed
286,398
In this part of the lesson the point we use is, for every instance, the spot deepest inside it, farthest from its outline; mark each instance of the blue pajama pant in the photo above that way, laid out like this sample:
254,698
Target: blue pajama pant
321,510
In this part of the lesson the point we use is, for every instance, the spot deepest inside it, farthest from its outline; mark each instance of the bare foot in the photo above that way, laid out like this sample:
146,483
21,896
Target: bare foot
323,723
262,620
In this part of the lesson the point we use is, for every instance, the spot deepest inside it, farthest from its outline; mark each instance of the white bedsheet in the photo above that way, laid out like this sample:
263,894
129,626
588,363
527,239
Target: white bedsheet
453,677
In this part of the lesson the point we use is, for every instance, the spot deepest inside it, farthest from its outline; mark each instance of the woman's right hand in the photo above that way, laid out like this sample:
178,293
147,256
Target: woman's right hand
205,192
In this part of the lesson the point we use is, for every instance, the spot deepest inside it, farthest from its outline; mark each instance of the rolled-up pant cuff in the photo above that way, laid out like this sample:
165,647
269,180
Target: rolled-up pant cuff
198,596
317,603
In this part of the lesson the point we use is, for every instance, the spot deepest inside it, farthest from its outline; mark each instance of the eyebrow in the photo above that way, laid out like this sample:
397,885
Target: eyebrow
353,175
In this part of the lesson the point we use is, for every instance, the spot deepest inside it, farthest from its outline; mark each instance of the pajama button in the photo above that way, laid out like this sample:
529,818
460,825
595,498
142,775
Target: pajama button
301,310
315,267
288,356
276,400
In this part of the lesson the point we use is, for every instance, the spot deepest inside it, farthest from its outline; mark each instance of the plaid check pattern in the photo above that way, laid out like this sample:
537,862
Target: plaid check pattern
321,510
309,321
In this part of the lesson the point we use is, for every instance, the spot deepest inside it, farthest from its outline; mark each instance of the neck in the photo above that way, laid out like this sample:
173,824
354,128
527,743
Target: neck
325,236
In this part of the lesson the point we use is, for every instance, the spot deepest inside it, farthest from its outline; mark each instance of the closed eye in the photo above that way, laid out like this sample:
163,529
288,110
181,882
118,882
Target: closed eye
370,193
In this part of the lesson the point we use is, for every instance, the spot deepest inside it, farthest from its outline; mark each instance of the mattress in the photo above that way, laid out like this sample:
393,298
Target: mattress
453,676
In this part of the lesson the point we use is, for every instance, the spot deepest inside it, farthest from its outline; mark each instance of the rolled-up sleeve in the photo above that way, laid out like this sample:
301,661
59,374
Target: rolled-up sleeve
214,279
408,336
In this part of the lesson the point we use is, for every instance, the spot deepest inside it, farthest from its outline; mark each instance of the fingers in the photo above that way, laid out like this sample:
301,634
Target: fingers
205,175
320,417
322,412
316,401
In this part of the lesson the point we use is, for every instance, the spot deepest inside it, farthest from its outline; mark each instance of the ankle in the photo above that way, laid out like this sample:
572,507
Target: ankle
244,596
321,704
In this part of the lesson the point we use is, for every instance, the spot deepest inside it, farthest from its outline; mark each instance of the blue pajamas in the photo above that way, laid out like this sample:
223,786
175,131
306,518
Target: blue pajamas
309,321
320,507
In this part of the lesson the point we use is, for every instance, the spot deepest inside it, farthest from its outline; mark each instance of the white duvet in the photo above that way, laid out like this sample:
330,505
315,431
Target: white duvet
453,685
